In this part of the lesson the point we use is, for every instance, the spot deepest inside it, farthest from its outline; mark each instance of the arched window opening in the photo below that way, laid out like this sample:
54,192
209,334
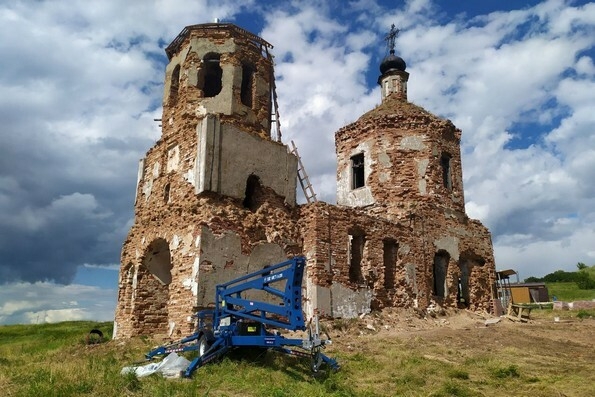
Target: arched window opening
174,85
247,84
390,249
357,243
157,260
253,194
440,269
212,75
463,297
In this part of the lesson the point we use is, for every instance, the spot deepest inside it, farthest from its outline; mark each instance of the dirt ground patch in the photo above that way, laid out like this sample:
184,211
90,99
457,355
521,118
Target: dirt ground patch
542,357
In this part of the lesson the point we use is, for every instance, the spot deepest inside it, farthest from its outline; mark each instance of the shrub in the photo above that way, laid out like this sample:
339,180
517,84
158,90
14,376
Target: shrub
511,371
584,281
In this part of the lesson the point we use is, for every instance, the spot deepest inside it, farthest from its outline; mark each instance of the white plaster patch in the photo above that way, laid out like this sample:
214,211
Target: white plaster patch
422,166
450,244
201,110
421,184
384,177
155,170
173,158
147,187
189,176
412,142
175,242
134,284
404,249
384,160
172,325
192,282
348,303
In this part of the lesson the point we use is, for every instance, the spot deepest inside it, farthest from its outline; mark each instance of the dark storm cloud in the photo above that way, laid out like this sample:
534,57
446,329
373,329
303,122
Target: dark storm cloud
77,114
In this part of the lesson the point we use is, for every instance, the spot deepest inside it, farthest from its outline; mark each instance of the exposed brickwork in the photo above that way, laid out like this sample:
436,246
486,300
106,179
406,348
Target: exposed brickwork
216,199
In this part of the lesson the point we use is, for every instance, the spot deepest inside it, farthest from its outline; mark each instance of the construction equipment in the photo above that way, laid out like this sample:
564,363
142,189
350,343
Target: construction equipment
241,322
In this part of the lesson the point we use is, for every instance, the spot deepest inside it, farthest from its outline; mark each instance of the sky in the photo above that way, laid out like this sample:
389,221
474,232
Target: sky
81,84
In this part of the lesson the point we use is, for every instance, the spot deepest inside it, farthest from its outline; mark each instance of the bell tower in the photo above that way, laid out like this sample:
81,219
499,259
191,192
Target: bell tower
219,69
218,87
216,193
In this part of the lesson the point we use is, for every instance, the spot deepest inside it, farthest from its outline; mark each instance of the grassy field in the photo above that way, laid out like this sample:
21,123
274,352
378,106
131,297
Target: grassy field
569,292
406,356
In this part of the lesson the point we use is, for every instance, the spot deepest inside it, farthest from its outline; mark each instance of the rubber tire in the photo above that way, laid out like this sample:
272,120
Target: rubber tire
203,345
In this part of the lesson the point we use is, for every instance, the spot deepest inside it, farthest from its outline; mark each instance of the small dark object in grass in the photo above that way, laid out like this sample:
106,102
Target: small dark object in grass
511,371
94,336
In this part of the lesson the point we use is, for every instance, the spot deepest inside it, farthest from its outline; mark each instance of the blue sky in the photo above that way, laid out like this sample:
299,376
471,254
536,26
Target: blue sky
81,83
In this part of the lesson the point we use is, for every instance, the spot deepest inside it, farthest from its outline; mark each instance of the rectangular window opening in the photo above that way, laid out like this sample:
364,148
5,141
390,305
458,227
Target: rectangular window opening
439,274
356,253
446,170
357,171
390,249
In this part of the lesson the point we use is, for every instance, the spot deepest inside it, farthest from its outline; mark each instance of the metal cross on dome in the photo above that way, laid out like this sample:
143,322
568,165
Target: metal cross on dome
391,37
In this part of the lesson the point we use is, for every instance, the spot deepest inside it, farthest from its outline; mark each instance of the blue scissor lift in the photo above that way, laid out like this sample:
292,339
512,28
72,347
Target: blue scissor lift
241,322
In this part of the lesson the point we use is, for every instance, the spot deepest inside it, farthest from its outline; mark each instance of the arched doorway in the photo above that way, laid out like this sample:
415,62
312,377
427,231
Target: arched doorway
439,272
152,295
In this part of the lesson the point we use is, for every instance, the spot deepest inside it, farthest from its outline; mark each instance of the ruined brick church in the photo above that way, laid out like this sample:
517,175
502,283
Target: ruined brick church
216,198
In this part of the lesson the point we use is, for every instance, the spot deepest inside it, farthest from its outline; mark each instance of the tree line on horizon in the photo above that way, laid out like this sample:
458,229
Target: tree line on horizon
584,277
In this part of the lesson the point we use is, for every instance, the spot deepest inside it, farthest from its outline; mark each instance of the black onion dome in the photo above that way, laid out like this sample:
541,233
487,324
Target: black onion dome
392,62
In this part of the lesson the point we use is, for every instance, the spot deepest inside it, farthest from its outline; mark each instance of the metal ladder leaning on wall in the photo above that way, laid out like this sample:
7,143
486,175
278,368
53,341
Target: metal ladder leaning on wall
303,177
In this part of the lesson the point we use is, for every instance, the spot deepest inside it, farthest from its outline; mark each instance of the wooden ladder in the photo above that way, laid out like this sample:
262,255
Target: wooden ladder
303,177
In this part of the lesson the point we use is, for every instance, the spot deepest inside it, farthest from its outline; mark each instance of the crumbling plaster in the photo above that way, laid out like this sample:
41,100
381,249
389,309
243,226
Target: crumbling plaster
194,197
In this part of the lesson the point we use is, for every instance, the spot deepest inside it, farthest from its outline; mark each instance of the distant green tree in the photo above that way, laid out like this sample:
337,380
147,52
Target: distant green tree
533,279
584,281
561,276
581,266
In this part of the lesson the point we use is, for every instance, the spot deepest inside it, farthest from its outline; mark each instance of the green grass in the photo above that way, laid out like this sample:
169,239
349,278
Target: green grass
569,292
54,360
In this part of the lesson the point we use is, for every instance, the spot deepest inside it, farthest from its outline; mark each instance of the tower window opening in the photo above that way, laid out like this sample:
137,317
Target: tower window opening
174,85
247,84
357,241
166,192
445,161
357,171
253,194
212,75
390,249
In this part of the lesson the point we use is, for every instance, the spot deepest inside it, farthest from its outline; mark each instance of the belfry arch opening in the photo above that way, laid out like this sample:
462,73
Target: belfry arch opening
213,75
246,91
174,85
